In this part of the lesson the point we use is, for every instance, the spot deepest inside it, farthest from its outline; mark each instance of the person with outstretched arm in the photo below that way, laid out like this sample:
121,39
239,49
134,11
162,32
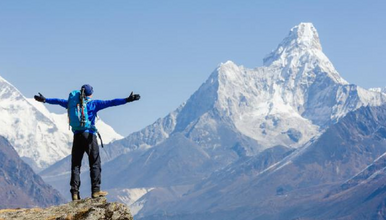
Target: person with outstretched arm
82,113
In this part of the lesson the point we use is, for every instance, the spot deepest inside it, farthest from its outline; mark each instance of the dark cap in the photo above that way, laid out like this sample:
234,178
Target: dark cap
88,90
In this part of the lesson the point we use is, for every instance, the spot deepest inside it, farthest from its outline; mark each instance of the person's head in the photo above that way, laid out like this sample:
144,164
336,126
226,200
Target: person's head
88,90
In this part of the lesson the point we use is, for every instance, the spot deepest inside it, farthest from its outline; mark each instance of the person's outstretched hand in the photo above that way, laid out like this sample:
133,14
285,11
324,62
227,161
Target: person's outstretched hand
40,98
133,97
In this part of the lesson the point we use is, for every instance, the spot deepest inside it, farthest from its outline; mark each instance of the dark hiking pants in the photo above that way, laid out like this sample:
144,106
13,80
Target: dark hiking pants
85,142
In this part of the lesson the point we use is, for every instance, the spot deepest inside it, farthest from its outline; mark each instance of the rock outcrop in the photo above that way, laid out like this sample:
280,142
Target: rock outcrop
90,209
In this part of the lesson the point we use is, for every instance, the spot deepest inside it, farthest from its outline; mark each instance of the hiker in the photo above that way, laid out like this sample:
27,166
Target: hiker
82,121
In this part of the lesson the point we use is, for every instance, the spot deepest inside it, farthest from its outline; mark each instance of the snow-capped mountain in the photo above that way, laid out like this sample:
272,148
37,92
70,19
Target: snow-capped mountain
41,138
237,113
292,98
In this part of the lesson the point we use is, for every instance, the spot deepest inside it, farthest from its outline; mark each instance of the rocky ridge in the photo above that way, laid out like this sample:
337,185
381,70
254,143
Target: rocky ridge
87,209
20,186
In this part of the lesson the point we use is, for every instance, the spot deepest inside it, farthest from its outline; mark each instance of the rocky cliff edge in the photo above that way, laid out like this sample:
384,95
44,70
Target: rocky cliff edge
89,209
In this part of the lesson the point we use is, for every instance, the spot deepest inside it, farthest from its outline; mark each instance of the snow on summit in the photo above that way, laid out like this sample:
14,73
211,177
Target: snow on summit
304,35
302,48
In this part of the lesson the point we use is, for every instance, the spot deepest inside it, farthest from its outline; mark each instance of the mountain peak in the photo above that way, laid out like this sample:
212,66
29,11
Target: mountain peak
225,67
301,38
8,91
304,35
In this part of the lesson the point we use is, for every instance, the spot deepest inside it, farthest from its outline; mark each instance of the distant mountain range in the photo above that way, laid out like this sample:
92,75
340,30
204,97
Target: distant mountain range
272,142
341,175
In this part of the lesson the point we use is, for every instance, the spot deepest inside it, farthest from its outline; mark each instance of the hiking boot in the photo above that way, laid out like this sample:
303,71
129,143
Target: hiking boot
75,196
99,194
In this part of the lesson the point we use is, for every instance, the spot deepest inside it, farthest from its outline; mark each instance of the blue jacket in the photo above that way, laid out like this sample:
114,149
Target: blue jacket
93,106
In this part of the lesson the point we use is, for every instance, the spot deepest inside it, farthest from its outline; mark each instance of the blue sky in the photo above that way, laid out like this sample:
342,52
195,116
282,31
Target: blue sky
165,50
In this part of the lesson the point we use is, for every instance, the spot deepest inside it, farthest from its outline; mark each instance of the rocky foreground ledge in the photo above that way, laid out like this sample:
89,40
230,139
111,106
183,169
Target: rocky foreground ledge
90,209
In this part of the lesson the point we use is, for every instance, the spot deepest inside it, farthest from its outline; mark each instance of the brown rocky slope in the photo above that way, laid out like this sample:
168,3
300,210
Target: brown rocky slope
20,186
85,209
